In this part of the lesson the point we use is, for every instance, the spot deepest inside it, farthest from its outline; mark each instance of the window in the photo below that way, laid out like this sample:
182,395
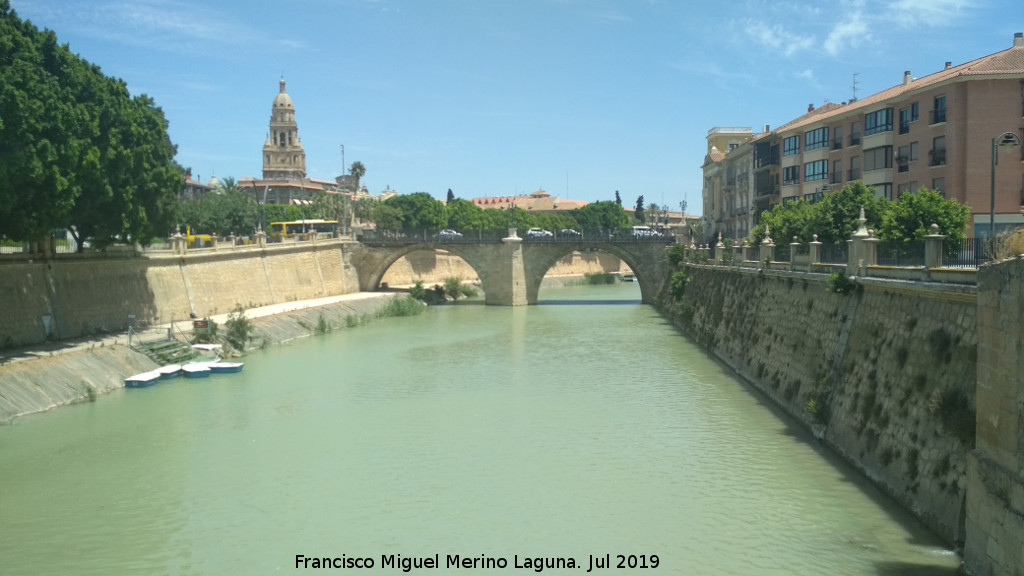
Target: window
790,175
939,185
837,172
816,139
939,110
905,155
817,170
913,112
902,189
904,120
854,133
854,173
938,153
791,146
837,138
878,158
883,190
878,121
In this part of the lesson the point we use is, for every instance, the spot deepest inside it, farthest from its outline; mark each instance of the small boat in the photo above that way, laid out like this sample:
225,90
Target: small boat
628,278
196,370
169,371
142,380
225,366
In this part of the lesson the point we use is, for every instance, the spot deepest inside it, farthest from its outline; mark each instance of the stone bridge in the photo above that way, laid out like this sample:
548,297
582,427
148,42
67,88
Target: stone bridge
511,268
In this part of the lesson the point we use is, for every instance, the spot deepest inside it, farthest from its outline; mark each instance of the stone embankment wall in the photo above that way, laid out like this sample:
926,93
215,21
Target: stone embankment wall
433,267
884,374
37,384
995,501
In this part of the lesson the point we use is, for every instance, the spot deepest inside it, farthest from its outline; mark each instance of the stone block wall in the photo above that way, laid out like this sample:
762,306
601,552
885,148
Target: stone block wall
995,502
884,374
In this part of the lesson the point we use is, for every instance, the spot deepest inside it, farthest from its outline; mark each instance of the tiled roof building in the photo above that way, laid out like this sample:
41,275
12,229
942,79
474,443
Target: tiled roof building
934,132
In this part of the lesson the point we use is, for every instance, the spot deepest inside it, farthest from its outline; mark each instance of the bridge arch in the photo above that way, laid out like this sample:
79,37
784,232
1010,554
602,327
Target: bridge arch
637,256
375,265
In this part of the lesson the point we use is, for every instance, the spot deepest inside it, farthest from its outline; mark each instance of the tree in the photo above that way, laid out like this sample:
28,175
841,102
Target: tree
464,215
419,211
618,199
912,215
76,150
358,170
833,219
451,196
601,216
639,215
654,212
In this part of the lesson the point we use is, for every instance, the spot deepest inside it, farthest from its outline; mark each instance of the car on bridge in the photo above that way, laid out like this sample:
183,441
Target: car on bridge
448,234
539,233
568,233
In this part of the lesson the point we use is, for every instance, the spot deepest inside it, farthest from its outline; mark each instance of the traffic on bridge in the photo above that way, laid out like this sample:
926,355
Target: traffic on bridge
636,234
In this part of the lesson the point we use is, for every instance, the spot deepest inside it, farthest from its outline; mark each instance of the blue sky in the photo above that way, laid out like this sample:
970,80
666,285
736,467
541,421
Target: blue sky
501,97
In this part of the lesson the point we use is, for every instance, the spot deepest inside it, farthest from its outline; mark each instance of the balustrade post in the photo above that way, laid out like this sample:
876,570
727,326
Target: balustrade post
856,257
767,248
814,256
719,250
261,237
737,253
793,246
213,241
933,250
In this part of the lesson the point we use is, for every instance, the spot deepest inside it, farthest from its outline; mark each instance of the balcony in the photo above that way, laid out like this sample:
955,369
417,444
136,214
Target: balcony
767,190
836,178
854,140
853,174
903,165
837,144
937,116
937,157
904,127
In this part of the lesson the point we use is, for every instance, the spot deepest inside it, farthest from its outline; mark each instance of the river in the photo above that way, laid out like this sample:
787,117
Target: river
583,428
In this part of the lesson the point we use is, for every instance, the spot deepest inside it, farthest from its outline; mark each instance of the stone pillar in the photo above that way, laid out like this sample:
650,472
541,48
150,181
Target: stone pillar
855,256
737,253
261,237
870,252
213,241
506,284
933,249
748,252
815,253
232,240
719,249
793,246
179,245
767,248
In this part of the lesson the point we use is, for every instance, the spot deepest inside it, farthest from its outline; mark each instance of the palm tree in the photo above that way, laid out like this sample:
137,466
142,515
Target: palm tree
358,170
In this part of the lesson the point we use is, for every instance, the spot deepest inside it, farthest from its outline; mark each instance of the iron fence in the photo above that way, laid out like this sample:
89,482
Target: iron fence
902,253
782,253
964,252
835,253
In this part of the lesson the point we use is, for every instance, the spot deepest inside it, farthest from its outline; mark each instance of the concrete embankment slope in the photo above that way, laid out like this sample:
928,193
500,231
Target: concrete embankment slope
884,374
36,381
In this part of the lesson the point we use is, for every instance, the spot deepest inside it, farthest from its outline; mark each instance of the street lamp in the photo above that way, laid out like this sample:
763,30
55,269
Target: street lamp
1006,139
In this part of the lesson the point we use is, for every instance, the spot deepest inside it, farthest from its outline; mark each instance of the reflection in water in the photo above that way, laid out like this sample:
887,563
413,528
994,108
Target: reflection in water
573,428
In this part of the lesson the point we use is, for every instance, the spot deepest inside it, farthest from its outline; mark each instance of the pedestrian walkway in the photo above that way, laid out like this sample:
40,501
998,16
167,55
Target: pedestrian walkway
49,349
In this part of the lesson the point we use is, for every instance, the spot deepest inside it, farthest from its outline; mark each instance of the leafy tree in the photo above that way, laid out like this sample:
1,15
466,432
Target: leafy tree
227,212
76,150
601,216
419,210
329,207
638,214
464,215
618,199
283,213
388,217
364,209
912,215
833,219
451,196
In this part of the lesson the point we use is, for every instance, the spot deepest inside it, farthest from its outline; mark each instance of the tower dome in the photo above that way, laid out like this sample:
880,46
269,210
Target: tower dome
283,100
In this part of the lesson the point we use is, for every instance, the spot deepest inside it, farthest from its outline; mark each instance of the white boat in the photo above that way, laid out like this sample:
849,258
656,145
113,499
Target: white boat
142,379
169,371
225,366
196,370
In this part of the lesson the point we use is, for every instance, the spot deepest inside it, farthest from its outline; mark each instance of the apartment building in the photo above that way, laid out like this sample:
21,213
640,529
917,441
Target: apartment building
939,131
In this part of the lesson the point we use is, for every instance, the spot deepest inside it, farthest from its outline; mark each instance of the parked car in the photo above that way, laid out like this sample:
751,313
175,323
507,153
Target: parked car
645,232
539,233
568,233
448,234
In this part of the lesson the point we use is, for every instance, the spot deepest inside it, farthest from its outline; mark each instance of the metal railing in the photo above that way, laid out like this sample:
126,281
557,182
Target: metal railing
834,253
400,237
964,253
903,253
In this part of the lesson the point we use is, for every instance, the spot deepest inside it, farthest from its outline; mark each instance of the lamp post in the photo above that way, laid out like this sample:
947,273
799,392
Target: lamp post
1006,139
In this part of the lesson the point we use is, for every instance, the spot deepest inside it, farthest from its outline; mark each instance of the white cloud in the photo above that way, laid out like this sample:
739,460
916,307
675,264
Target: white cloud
776,37
910,13
807,74
850,32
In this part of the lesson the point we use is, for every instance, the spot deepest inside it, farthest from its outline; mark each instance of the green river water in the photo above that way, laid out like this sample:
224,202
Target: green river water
583,427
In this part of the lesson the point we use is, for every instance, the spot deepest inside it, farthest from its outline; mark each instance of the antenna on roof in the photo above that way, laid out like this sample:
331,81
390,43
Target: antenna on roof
854,86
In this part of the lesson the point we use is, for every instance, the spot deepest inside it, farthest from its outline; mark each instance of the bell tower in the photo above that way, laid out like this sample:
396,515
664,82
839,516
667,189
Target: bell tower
283,156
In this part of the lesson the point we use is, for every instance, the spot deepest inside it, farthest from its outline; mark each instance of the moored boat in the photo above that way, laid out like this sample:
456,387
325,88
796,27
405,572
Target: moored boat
225,366
142,380
169,371
196,370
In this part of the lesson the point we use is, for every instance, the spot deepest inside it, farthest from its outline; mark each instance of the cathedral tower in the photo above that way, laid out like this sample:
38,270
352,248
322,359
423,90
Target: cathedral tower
283,156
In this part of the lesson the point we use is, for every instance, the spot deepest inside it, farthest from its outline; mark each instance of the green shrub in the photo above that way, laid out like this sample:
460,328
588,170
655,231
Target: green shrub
592,278
677,284
418,291
207,336
322,327
238,328
839,283
402,307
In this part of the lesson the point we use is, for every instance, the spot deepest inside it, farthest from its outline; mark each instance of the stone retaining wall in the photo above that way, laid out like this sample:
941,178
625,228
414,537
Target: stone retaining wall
883,374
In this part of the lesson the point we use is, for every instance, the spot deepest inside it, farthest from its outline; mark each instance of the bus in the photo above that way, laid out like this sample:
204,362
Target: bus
322,228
